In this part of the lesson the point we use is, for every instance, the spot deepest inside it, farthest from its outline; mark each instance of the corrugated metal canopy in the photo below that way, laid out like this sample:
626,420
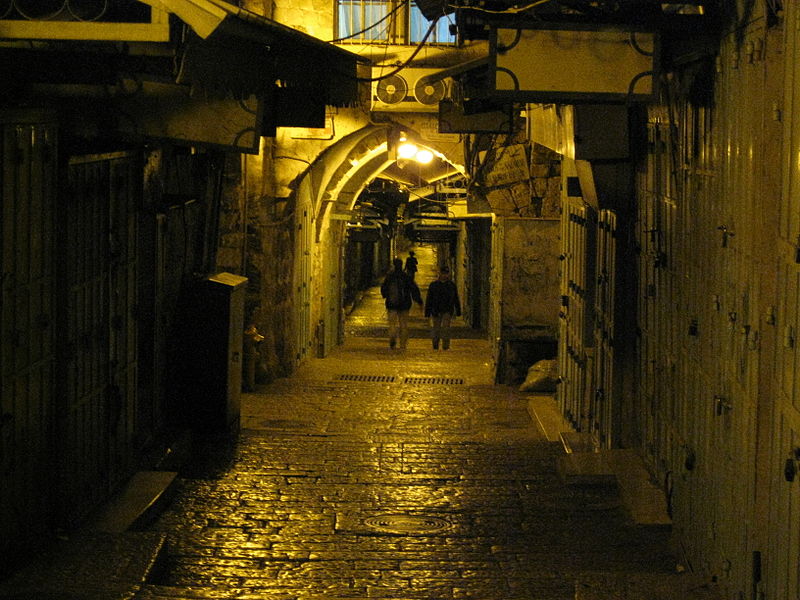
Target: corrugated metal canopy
241,52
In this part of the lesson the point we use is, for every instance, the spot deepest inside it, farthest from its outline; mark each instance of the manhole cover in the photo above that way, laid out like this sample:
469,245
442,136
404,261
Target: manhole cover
372,378
434,380
406,524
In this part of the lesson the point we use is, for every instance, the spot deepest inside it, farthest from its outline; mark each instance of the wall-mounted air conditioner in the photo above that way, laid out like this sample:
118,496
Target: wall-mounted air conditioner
403,91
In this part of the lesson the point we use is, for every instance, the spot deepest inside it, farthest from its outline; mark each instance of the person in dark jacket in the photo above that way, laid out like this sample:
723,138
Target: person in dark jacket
441,305
400,291
411,265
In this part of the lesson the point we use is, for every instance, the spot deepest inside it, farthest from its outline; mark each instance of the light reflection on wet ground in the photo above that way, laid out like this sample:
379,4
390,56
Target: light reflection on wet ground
459,475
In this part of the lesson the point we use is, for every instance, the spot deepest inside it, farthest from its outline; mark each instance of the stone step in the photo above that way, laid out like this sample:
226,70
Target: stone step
138,503
576,441
585,469
543,409
583,464
644,501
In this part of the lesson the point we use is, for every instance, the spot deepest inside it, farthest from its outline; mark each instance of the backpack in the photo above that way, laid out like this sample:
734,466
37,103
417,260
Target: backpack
396,292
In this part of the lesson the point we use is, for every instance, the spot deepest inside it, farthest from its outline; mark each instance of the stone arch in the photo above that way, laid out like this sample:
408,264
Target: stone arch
337,176
330,188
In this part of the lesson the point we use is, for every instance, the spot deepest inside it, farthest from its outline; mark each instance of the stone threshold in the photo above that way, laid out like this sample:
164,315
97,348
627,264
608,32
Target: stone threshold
582,464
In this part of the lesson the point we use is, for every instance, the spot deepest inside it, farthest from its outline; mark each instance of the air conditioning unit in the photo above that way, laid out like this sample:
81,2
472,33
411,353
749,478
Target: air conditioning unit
403,92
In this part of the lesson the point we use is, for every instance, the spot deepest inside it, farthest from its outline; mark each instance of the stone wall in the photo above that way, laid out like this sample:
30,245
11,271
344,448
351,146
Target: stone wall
522,180
530,273
270,255
256,240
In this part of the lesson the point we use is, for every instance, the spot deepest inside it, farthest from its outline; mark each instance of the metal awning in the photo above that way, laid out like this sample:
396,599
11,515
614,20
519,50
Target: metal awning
241,52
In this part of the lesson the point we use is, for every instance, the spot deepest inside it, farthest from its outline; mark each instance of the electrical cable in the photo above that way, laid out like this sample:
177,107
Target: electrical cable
407,61
375,24
514,10
303,160
383,35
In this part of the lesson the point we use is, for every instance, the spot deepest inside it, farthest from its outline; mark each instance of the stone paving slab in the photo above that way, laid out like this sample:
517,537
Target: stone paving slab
475,459
291,509
356,489
89,566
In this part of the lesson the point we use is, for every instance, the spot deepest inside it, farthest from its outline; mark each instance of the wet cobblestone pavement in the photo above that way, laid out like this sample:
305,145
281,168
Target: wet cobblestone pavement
378,473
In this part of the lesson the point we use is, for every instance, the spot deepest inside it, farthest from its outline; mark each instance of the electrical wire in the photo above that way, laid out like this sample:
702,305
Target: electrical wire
403,65
375,24
291,158
513,10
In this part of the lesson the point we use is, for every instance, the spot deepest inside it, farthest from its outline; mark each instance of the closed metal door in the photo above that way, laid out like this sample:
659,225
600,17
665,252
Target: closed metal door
576,316
603,403
782,580
496,290
28,149
98,283
303,286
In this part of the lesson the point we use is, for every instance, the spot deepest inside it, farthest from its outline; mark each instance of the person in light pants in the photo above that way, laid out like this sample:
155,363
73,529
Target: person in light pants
400,291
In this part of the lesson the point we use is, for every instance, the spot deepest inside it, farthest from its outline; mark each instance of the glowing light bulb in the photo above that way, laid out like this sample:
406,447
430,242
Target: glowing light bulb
424,156
406,150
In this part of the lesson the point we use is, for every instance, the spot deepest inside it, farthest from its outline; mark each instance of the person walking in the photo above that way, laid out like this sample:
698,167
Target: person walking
441,304
399,290
411,265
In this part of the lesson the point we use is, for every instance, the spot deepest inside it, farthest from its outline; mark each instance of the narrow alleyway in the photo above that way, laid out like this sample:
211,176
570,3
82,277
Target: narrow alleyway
369,317
376,473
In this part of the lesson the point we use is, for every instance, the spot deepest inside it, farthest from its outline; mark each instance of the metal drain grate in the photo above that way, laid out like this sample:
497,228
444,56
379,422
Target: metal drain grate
406,524
434,380
370,378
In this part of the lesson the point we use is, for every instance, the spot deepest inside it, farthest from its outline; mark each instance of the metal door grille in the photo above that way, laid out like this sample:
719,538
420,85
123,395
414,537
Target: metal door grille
28,167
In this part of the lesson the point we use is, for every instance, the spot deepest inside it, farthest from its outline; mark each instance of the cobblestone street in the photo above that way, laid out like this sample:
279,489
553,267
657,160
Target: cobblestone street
378,473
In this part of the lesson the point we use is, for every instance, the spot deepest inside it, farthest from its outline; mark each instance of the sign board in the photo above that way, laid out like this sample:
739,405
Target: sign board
572,65
510,165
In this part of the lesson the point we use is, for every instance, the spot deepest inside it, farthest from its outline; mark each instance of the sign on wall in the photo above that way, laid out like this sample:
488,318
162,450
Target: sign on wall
572,65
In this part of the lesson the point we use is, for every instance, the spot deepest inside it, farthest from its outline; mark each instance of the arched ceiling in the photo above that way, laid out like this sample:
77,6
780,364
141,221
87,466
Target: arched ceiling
348,167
